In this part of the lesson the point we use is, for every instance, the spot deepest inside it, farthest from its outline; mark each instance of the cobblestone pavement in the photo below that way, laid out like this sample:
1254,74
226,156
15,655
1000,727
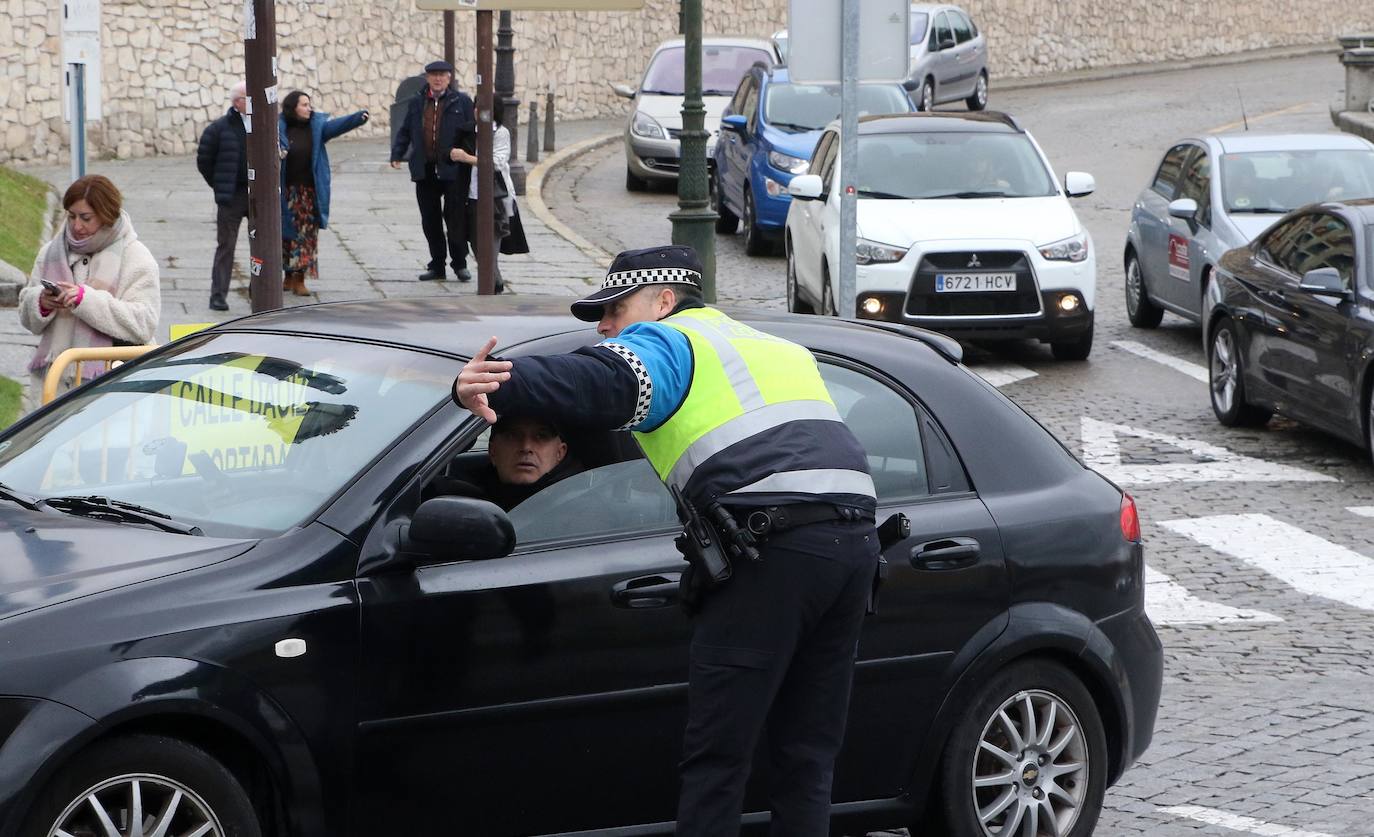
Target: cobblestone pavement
1258,540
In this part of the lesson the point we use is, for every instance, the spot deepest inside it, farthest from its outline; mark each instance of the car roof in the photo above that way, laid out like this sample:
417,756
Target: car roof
983,122
459,325
720,41
1237,143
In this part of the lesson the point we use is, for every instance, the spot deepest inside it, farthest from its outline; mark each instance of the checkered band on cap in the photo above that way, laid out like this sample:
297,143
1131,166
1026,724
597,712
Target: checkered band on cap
646,386
651,276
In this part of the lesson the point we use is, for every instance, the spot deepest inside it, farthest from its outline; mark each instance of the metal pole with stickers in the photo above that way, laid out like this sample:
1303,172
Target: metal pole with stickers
264,154
81,79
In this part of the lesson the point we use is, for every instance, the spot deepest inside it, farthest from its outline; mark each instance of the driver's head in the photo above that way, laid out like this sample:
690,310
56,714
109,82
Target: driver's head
523,449
642,286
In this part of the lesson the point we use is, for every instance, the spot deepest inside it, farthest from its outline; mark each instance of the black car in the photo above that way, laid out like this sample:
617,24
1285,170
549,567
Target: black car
234,596
1290,327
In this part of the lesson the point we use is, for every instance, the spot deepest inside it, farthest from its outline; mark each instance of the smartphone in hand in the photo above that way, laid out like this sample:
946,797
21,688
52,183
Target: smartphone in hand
51,287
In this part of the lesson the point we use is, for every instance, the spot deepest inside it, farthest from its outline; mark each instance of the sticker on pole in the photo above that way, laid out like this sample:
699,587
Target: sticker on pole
257,265
250,21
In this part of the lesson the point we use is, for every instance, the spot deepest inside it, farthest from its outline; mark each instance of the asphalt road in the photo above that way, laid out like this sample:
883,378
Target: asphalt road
1258,541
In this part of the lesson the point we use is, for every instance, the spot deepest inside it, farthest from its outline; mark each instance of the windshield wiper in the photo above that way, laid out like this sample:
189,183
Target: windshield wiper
973,194
717,92
663,92
118,511
869,193
1256,210
793,126
28,502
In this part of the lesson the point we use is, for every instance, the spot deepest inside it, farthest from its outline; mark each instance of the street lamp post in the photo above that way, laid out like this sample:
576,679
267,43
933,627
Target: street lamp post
505,91
694,221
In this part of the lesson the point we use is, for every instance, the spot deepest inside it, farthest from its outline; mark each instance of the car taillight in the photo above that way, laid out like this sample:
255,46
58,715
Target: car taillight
1130,521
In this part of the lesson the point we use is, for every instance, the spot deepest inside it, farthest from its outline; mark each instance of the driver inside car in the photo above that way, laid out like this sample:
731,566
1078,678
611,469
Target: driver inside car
525,455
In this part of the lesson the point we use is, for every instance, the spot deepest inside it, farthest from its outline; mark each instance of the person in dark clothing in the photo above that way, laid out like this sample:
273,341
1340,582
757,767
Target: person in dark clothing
440,126
526,455
735,418
302,133
222,158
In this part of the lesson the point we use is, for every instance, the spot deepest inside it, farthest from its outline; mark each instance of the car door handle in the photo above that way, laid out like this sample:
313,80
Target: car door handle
945,554
658,590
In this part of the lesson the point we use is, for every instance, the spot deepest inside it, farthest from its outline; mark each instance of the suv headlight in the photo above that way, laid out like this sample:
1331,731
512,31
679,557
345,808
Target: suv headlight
786,162
871,252
1073,249
646,126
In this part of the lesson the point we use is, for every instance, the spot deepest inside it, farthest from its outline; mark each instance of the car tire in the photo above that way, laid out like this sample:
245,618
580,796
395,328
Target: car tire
1139,309
163,769
1015,701
828,308
1077,349
979,99
635,183
795,303
1226,379
927,102
755,240
726,221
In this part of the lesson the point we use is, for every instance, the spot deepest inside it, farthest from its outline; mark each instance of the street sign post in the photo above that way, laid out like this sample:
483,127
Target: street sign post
846,42
81,80
264,155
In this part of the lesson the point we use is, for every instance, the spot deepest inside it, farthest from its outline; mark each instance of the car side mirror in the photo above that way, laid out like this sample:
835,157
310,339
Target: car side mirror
806,187
1079,183
734,122
459,528
946,43
1184,208
624,91
1324,281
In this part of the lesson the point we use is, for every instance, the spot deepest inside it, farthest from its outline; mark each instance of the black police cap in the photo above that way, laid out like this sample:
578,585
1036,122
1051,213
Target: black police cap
633,269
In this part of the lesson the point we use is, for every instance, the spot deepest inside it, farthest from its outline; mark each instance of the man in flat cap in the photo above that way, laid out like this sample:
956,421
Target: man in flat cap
439,122
732,416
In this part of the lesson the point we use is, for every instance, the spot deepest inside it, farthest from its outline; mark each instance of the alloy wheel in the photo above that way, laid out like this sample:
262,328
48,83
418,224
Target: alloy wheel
1030,776
138,805
980,92
1134,287
928,95
1223,371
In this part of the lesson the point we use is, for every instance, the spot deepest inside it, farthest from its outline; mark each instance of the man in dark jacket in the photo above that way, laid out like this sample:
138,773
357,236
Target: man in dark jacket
440,122
223,161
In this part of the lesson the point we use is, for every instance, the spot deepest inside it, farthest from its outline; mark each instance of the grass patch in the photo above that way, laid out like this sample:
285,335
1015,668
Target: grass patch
23,200
10,392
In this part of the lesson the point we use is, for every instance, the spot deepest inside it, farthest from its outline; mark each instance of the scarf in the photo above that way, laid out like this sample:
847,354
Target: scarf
68,331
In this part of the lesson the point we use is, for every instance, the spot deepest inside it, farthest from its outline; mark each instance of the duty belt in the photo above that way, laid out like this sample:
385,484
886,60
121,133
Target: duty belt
763,520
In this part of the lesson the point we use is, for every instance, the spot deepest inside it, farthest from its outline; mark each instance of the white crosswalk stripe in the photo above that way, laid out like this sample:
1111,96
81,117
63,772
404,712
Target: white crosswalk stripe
1188,368
1362,511
1302,560
1236,822
1169,603
1001,374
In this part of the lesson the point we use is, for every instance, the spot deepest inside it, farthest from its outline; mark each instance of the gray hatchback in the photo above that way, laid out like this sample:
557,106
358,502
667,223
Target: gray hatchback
949,58
1215,193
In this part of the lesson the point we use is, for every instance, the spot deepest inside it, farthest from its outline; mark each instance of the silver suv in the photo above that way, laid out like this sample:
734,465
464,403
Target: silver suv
949,58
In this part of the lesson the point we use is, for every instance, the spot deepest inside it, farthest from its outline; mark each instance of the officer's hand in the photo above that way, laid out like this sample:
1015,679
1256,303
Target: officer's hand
395,164
479,377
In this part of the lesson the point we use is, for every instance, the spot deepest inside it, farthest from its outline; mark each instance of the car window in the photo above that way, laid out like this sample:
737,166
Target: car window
962,32
244,435
808,107
886,425
1170,169
919,21
832,154
737,102
818,157
721,68
1280,242
1275,182
951,165
751,107
1197,186
1324,241
940,31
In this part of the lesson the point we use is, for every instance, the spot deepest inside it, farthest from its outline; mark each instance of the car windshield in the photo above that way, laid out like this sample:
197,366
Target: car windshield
244,435
810,107
721,69
1265,182
951,165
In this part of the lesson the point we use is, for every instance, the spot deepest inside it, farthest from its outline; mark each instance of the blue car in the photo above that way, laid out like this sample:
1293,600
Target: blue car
767,134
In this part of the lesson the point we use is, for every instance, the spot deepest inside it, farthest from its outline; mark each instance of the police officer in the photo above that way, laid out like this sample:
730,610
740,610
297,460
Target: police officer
727,413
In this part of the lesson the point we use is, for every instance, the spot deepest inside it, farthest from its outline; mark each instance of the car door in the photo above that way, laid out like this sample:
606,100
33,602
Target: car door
734,149
1322,350
1188,238
749,143
942,62
965,57
807,230
1153,221
1270,356
536,693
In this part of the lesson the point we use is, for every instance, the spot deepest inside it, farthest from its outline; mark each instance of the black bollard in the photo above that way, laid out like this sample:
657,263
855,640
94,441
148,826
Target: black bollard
548,122
532,135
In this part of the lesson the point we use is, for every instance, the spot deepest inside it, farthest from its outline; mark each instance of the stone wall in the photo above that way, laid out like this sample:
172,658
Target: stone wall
167,64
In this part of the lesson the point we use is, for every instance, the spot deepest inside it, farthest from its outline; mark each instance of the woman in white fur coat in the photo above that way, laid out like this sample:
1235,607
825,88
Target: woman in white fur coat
94,285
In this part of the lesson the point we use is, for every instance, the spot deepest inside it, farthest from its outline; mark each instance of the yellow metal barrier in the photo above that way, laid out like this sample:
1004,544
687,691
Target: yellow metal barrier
109,354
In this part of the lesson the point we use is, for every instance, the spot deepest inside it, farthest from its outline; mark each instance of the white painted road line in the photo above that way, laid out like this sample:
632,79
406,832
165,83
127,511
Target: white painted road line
1102,453
1300,559
1236,822
1169,603
1188,368
1001,374
1362,511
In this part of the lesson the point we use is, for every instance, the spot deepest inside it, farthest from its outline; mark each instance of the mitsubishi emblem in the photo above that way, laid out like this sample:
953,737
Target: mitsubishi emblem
973,262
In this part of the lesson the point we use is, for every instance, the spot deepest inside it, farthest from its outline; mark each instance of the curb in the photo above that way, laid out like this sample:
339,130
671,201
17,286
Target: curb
534,195
1161,68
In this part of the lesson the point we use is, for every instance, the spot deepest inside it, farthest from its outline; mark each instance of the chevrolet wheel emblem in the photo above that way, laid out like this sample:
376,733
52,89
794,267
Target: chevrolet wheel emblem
973,262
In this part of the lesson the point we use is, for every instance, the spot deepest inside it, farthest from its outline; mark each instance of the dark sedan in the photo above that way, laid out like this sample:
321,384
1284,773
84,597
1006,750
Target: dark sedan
236,600
1290,327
